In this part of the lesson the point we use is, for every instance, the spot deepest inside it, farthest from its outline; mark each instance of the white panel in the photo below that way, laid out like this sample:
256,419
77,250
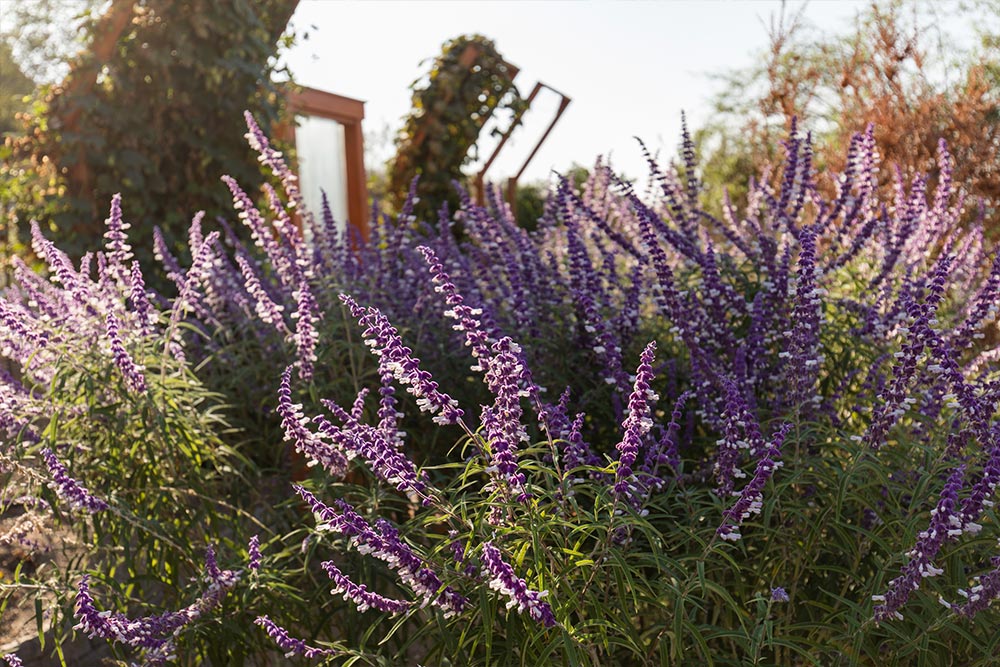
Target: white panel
319,143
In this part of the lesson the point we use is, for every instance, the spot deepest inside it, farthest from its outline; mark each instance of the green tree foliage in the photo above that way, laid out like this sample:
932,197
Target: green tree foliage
142,112
14,86
450,107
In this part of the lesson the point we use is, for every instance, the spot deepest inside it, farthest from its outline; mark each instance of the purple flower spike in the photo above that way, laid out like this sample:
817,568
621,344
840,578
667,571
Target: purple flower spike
253,554
140,300
981,594
13,660
116,240
286,642
383,542
69,489
267,310
308,443
360,595
503,580
636,426
132,373
946,524
386,344
779,594
751,498
155,635
502,421
466,317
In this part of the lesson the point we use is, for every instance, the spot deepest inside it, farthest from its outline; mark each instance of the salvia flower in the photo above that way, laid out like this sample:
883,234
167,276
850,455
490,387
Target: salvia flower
69,489
267,310
636,425
751,497
132,372
360,595
291,645
383,542
503,580
314,446
386,344
779,594
945,525
116,240
253,554
156,635
981,594
502,421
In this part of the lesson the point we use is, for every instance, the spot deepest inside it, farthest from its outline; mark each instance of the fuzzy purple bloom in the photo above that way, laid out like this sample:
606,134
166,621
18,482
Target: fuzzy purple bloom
503,580
502,421
636,425
779,594
383,542
69,489
156,635
946,524
314,446
253,554
751,497
360,595
291,645
386,344
132,373
981,594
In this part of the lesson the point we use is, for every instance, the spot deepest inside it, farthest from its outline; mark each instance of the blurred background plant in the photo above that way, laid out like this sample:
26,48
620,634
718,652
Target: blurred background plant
898,69
180,69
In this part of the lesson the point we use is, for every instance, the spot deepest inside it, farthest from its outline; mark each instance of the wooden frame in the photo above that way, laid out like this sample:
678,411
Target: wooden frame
349,113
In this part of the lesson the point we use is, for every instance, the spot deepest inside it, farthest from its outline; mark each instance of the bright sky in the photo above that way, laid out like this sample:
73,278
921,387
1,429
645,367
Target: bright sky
629,67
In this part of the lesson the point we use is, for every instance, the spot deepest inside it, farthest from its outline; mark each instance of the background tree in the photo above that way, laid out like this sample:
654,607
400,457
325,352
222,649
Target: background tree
147,109
467,82
897,69
14,86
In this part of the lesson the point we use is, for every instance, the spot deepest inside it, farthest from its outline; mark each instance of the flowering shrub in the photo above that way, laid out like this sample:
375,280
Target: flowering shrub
638,435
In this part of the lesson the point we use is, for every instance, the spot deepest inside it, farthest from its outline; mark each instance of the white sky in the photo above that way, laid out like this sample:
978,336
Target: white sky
629,67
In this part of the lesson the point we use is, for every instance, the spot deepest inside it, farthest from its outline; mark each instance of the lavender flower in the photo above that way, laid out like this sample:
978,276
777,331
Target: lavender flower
779,594
13,660
636,426
69,489
132,372
503,580
287,643
360,595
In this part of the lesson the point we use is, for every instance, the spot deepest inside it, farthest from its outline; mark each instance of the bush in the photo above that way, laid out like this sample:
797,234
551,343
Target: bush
799,470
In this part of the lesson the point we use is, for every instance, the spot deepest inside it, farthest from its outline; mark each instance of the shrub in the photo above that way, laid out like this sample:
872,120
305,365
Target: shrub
770,438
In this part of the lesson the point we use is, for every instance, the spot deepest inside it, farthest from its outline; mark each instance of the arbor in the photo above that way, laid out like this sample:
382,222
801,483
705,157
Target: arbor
146,110
467,82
